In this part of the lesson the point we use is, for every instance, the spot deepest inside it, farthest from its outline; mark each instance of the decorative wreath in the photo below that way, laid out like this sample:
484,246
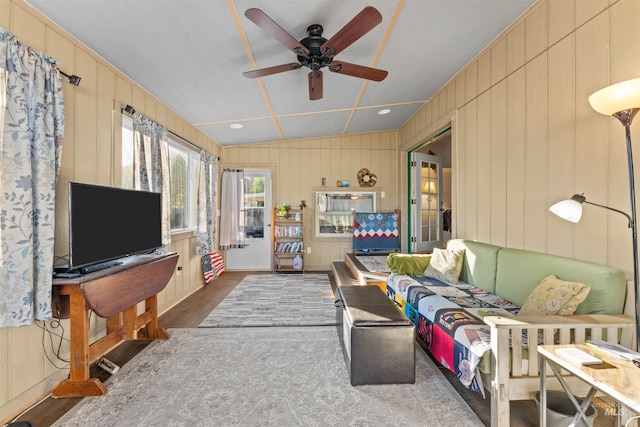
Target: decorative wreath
366,178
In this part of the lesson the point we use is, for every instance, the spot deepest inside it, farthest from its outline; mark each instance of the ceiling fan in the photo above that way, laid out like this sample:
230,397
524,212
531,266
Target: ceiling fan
316,52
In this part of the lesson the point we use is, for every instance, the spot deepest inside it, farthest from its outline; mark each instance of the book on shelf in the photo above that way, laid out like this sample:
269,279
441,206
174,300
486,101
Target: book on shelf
616,350
284,247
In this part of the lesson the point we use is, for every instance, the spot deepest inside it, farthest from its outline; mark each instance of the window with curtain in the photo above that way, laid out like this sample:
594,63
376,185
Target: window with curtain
31,134
184,176
184,165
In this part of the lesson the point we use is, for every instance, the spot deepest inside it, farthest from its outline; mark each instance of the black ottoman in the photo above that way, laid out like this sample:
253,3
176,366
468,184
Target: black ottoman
377,340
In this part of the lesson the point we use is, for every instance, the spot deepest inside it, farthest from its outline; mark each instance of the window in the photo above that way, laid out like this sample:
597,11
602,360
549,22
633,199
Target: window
127,152
184,170
185,173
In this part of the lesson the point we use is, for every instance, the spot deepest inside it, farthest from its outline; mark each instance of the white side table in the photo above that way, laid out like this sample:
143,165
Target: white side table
617,378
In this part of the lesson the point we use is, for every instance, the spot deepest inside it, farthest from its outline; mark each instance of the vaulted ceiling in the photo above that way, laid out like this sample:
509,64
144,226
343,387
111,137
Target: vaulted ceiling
191,55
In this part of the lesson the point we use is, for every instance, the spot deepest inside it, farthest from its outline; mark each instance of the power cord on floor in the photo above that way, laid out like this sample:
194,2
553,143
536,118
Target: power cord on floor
15,419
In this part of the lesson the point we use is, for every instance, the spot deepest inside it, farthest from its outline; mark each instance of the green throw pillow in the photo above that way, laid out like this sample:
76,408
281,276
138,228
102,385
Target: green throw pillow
409,264
554,296
445,265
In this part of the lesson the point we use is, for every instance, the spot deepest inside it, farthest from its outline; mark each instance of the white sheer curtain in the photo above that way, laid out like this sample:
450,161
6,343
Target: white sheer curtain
232,209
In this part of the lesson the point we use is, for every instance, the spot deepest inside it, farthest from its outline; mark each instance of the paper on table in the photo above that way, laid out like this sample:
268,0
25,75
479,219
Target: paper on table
616,350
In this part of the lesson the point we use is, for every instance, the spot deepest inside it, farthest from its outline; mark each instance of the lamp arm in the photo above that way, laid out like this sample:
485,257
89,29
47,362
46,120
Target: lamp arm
612,209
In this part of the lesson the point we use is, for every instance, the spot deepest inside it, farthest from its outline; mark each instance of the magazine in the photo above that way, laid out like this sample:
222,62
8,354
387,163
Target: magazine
616,350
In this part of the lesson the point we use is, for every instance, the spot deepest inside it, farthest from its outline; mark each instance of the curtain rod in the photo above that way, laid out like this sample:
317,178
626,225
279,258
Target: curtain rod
73,79
129,109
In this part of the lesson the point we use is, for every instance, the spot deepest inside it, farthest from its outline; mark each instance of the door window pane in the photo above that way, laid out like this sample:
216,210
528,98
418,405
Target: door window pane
254,207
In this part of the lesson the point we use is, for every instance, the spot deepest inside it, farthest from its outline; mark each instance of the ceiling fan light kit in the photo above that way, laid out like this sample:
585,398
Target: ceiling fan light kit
315,52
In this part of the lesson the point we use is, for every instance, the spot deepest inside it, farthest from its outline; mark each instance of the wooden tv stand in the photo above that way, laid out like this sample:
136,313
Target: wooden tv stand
114,294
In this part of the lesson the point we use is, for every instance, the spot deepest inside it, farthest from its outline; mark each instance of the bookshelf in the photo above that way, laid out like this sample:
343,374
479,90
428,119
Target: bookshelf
288,241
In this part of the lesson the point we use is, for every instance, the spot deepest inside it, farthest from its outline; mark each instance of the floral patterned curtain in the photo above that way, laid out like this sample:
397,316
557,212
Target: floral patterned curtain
232,209
206,214
32,129
151,165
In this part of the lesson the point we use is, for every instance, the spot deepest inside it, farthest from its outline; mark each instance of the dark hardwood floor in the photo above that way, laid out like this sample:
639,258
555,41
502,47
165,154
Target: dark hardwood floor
190,312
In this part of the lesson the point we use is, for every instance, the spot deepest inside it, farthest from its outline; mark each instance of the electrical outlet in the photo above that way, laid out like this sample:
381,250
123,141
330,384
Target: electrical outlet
308,249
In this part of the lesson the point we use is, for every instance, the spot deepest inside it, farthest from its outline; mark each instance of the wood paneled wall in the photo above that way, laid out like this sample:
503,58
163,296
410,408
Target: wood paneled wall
300,166
526,137
88,156
523,137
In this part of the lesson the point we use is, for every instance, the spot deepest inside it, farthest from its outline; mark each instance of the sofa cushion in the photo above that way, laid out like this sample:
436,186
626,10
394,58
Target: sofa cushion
554,296
520,271
480,263
445,265
408,264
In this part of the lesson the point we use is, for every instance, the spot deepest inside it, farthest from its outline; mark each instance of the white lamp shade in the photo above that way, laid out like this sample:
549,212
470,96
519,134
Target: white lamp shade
429,187
618,97
568,209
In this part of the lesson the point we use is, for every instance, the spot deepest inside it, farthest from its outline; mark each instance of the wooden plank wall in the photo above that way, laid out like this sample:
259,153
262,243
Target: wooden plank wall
25,373
300,166
526,137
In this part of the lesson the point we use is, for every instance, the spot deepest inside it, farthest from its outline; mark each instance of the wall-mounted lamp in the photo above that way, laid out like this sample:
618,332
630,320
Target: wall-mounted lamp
622,101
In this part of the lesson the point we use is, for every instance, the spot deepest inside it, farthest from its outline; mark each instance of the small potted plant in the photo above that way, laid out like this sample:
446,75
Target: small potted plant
283,210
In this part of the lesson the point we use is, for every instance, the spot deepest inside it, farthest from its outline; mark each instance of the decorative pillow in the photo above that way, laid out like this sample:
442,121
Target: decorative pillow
409,264
445,265
554,296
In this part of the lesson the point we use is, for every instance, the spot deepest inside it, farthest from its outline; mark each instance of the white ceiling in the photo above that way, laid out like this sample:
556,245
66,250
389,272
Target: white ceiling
191,54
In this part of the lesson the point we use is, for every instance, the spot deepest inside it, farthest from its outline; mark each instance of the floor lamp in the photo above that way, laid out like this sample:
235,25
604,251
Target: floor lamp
622,101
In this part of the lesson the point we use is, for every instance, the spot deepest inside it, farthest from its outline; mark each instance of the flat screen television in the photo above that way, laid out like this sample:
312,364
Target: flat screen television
108,223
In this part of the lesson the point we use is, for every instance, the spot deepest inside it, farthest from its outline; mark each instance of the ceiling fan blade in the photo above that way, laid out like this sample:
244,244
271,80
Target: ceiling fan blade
315,85
261,19
271,70
360,25
361,71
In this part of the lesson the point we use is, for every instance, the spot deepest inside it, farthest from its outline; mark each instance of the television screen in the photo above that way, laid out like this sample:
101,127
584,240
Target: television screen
106,223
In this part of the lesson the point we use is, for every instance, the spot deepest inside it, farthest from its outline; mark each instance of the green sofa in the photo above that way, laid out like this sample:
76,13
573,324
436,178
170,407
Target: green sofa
513,274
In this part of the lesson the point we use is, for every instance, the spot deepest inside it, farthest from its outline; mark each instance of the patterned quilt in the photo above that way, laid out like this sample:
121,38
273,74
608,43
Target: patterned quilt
375,231
448,319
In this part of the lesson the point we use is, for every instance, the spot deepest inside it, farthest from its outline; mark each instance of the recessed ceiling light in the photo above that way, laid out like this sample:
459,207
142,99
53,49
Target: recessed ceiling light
384,111
236,125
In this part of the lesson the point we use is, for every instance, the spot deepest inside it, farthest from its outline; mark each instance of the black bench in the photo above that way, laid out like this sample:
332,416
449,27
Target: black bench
377,340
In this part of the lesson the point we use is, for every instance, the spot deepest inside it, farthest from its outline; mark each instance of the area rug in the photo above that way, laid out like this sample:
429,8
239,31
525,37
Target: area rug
276,300
281,376
375,263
